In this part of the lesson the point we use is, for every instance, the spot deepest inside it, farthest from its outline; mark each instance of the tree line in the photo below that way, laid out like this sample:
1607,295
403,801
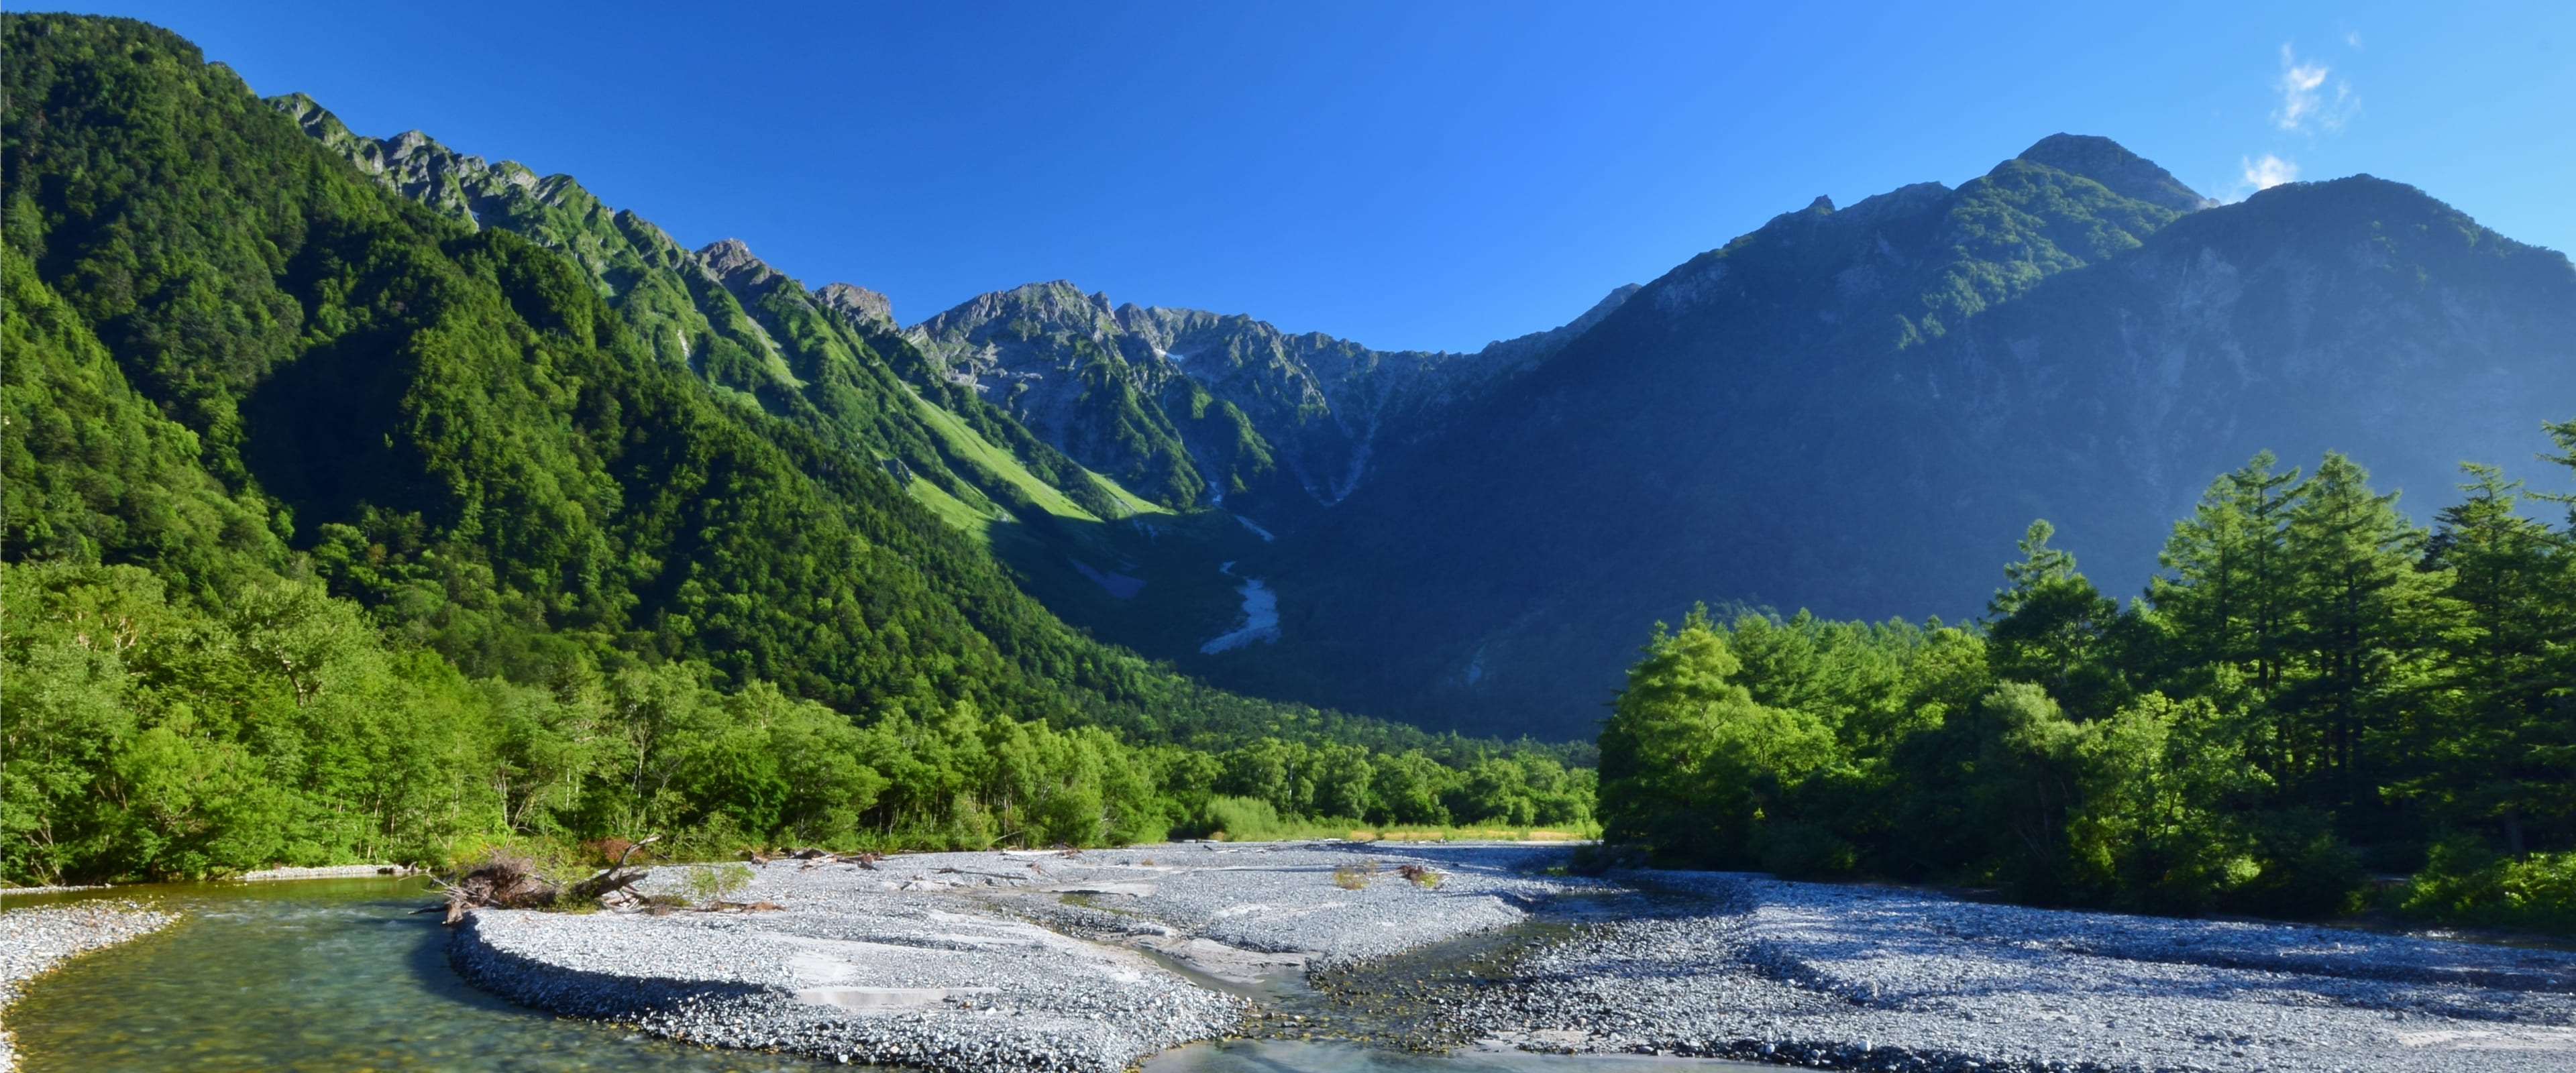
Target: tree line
2312,690
149,736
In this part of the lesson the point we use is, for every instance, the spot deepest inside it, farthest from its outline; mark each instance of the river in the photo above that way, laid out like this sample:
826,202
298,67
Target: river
342,975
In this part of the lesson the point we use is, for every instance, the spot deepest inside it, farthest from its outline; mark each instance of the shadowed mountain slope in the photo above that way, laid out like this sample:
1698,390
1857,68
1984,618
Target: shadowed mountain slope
1858,411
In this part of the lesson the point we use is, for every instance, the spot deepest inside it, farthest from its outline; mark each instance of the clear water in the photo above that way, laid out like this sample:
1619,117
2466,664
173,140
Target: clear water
342,975
335,975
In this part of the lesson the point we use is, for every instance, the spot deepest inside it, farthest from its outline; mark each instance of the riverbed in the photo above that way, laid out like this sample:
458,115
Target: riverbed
1313,958
343,975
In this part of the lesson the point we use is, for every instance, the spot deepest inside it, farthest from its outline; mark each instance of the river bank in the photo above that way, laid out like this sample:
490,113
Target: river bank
34,940
1093,961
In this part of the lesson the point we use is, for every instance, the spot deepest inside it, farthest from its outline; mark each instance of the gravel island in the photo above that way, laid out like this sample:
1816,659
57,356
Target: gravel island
1094,961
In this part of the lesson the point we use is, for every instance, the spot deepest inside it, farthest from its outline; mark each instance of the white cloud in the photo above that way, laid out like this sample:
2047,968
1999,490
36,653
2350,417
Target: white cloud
2353,38
2303,95
2269,172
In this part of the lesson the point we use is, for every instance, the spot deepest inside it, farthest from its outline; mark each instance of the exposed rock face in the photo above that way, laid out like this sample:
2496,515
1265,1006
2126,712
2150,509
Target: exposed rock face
859,304
1234,402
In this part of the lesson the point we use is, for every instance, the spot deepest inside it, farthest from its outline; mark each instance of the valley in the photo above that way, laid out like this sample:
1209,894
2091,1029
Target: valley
2059,619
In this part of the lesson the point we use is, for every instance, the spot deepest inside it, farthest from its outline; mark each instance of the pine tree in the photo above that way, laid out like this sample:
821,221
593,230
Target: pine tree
2226,600
2052,628
2491,743
2361,609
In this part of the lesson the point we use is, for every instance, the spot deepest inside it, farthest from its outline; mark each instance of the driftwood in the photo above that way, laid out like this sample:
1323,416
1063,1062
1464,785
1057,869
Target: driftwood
513,883
614,879
810,857
504,883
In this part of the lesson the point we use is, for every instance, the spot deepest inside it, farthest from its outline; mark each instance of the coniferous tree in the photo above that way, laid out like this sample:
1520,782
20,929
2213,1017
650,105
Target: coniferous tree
2360,604
2227,599
2486,740
2051,627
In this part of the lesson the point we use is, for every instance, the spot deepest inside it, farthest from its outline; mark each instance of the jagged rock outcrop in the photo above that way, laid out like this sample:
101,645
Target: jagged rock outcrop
859,304
1228,402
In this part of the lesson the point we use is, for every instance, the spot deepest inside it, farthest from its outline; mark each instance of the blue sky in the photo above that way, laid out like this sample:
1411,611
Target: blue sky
1407,175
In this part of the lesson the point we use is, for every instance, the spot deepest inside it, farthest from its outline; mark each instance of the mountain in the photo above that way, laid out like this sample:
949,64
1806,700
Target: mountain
826,359
238,353
1858,410
1851,409
1191,406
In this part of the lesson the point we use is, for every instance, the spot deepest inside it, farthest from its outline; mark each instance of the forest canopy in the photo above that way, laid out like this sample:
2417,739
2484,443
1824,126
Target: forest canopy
2313,690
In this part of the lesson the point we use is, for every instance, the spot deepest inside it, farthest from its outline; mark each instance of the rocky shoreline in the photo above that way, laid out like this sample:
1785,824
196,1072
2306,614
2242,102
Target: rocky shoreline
34,940
1091,962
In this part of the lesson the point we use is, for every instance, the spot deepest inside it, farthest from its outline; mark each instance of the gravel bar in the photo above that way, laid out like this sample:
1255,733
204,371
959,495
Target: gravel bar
1090,962
998,961
1849,977
35,940
331,871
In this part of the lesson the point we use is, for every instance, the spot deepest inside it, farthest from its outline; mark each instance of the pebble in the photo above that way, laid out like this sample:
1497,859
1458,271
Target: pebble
1866,978
34,940
1016,961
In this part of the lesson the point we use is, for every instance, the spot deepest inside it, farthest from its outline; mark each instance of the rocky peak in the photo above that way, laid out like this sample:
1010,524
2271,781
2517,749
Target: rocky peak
317,121
861,305
731,262
2111,164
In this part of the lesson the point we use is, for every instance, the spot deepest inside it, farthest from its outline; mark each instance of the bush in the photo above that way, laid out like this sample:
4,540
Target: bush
708,885
2307,870
1792,849
2463,883
1241,819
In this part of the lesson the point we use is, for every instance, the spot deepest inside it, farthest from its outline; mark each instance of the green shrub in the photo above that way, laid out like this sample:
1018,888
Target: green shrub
707,885
1242,819
2463,883
2307,871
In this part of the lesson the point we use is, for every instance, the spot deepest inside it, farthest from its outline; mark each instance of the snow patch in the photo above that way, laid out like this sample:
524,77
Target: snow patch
1247,523
1260,615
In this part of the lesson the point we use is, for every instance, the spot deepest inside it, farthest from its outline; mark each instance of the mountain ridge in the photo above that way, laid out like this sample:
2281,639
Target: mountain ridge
1309,407
1857,411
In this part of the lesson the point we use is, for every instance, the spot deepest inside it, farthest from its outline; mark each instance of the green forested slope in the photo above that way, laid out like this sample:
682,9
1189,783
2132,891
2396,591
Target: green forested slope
337,528
827,360
455,422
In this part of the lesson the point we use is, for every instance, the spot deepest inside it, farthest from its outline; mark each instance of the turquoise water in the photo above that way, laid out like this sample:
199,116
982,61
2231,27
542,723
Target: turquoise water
333,975
342,975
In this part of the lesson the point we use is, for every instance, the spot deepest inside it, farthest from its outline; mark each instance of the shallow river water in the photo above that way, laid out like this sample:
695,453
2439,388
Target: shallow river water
342,975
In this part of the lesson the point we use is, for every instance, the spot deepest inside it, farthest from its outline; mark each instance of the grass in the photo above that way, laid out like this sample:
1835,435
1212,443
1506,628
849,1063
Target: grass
950,509
972,446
